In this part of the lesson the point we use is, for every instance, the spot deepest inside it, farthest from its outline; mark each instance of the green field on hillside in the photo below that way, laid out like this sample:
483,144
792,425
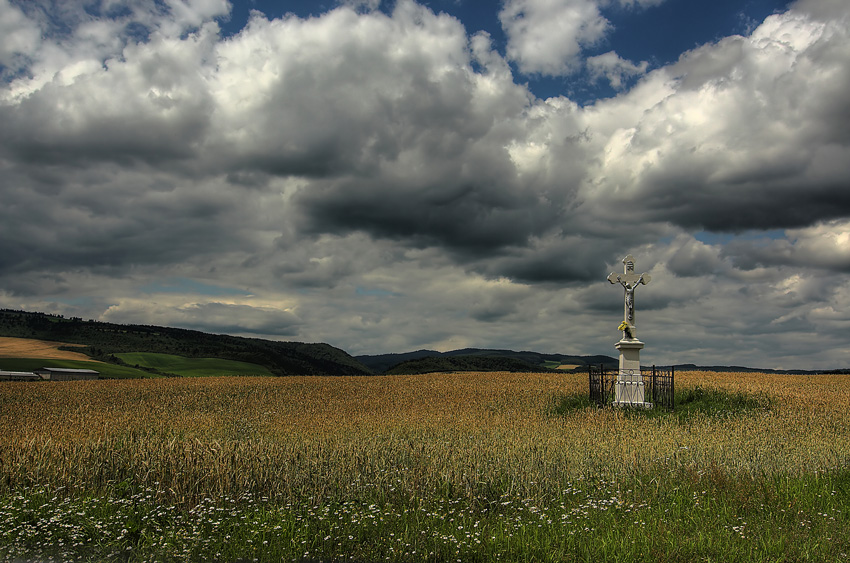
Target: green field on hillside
191,367
107,371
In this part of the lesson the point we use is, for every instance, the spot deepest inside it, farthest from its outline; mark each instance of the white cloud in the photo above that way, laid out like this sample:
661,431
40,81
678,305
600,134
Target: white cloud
547,36
71,34
727,137
640,3
246,319
614,68
822,9
362,5
19,35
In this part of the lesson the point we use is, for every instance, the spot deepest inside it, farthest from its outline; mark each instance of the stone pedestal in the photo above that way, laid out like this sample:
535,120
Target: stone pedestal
629,389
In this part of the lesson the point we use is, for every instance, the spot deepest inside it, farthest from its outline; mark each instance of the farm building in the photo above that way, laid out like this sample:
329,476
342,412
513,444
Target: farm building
67,374
19,376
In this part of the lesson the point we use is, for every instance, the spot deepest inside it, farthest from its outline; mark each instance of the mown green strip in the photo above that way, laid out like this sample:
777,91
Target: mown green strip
192,367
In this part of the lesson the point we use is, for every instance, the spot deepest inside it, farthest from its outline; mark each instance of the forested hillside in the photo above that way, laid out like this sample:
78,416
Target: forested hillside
477,359
105,339
434,364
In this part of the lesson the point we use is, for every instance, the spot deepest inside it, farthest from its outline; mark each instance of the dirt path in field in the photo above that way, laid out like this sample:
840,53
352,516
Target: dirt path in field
29,348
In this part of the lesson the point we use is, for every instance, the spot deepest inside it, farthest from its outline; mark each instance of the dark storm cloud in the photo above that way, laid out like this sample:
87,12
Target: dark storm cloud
36,134
110,223
767,199
468,218
383,182
558,258
149,105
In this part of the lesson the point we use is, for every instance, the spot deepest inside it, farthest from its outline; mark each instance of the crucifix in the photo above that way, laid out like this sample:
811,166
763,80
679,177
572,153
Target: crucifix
629,385
629,280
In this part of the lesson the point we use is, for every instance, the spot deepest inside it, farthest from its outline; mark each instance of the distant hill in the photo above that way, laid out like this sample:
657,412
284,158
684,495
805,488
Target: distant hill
106,341
385,363
103,340
434,364
693,367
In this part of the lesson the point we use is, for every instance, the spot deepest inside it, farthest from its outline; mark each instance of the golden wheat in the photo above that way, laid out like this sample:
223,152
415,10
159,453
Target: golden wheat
29,348
482,434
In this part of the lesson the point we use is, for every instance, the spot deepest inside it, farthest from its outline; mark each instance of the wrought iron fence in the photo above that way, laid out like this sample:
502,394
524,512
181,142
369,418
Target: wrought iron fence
659,385
601,383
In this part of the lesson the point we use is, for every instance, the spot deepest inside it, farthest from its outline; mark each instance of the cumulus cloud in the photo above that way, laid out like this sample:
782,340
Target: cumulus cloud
825,245
614,68
735,135
18,36
383,182
547,36
77,37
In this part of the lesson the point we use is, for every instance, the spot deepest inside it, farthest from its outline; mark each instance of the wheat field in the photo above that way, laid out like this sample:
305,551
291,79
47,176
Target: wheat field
410,448
28,348
479,433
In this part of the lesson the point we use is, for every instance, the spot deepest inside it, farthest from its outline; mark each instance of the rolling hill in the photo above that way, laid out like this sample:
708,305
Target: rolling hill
132,351
477,359
104,341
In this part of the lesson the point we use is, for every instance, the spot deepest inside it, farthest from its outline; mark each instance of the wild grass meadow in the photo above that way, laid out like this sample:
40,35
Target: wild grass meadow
439,467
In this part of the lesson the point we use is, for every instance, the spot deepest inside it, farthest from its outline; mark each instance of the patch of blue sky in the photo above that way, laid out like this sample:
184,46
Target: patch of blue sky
185,285
374,292
708,237
660,34
84,301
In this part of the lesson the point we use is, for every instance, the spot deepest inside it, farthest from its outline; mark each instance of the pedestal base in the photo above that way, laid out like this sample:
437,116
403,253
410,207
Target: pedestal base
629,388
629,391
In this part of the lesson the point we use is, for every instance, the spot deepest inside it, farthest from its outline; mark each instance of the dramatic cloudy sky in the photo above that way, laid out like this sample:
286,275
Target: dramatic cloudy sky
391,175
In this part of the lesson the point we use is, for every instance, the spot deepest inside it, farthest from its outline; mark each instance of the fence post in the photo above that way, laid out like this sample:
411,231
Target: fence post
654,386
672,389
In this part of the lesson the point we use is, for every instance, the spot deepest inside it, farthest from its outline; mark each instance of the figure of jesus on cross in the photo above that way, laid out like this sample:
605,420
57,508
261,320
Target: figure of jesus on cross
629,280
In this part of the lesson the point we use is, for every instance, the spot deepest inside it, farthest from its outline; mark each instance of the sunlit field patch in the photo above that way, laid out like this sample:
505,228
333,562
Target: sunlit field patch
437,467
30,348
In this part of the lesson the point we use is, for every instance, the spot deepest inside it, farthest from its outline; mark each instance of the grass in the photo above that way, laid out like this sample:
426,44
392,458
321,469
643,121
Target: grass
689,403
590,520
718,402
470,467
192,367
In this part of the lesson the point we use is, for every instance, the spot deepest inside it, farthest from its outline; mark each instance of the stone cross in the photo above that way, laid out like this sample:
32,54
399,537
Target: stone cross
629,280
